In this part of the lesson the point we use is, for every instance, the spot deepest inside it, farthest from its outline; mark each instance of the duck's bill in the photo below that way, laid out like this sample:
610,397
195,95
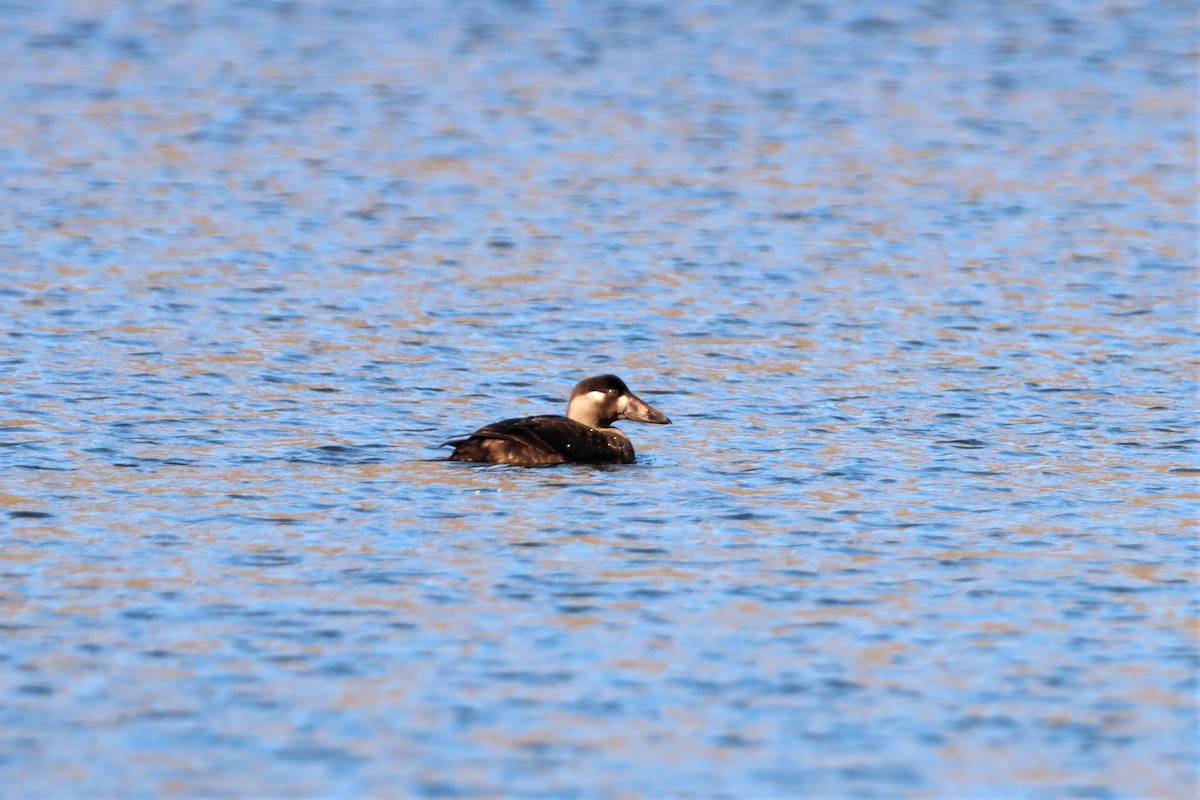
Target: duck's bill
639,410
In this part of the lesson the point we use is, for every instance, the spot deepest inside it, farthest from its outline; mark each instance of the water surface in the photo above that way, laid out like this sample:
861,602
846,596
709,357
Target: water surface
915,283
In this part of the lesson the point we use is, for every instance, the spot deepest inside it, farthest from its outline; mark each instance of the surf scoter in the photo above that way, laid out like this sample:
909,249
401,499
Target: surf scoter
583,436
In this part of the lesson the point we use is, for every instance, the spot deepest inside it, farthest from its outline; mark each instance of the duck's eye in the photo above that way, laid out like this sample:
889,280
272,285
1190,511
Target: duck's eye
612,392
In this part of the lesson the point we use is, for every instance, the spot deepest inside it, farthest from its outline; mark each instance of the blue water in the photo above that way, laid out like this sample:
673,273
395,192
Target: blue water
915,284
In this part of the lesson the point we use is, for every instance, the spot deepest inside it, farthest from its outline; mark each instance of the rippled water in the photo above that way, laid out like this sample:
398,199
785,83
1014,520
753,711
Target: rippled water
915,282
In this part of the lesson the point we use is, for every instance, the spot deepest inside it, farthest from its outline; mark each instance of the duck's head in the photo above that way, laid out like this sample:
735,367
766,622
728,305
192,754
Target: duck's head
601,400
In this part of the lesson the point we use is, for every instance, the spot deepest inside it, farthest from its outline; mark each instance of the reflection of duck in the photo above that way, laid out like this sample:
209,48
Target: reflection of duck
583,436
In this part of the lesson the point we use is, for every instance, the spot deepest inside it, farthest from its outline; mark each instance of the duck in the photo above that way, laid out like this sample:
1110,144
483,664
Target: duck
584,436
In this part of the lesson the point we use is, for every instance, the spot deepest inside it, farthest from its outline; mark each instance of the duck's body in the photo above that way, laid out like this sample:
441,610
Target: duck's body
538,441
584,436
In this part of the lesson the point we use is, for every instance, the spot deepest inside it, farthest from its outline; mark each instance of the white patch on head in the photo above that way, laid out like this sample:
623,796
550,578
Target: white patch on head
622,404
596,397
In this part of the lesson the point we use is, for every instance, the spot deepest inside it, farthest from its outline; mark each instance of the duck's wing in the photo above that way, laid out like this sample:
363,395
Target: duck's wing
533,441
518,429
520,440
